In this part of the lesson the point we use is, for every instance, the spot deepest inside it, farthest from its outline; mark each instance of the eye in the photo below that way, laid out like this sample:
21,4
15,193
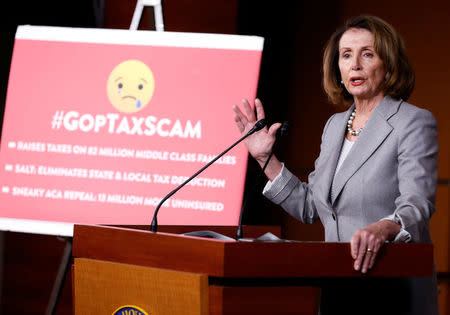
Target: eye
140,86
368,54
120,85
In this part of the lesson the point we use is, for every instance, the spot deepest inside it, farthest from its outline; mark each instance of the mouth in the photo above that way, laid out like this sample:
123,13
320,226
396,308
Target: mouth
355,81
129,96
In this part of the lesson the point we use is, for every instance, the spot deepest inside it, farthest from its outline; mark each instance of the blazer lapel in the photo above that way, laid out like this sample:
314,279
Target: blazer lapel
335,133
375,131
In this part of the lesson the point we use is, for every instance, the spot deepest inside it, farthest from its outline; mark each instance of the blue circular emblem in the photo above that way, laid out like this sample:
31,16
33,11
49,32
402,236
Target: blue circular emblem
129,310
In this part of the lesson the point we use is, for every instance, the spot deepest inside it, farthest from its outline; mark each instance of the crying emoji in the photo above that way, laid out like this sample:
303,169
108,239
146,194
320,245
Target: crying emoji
130,86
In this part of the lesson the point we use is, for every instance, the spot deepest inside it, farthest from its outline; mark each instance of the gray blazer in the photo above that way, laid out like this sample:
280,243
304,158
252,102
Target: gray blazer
389,173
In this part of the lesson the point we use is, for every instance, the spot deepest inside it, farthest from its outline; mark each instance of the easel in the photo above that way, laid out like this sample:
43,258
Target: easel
63,269
157,11
66,260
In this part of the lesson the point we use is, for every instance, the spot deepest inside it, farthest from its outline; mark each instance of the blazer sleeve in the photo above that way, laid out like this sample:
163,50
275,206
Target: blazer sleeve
417,174
293,195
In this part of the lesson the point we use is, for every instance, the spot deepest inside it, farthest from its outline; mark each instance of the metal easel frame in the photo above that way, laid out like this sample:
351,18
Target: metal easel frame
64,267
157,9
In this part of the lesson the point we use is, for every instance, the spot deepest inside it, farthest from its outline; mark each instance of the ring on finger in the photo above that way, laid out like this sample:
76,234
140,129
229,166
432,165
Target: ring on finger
369,250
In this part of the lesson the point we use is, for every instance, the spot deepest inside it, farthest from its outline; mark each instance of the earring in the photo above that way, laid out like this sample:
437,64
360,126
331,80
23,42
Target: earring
342,82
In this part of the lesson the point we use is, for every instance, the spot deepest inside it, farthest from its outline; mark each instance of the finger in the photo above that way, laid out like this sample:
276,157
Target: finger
372,260
259,109
239,119
239,124
374,255
370,251
273,129
361,253
249,111
239,116
367,257
238,112
354,245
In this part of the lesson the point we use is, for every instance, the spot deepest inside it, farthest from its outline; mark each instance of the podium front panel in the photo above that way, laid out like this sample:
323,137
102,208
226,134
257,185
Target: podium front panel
103,287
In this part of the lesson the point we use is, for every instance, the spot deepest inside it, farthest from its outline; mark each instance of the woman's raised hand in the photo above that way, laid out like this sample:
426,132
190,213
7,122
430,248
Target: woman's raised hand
260,143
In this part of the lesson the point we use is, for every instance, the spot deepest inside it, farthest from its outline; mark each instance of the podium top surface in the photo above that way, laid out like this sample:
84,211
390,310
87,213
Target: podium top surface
233,259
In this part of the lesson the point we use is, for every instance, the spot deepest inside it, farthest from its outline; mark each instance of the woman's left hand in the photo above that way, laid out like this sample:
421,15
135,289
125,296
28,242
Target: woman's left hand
366,243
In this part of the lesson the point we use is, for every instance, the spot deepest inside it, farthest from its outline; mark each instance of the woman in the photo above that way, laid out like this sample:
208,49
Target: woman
375,178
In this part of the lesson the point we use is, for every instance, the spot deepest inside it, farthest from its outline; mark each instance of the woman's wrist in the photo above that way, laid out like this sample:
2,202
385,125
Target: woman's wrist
390,228
273,168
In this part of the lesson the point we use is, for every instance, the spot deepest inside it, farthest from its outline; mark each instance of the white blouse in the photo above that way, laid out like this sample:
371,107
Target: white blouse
344,152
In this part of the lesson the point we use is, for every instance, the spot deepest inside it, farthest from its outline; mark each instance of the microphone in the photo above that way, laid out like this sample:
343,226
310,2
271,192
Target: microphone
284,129
280,132
260,124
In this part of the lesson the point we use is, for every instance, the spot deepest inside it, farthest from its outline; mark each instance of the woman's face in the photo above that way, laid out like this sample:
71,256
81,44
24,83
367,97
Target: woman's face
362,70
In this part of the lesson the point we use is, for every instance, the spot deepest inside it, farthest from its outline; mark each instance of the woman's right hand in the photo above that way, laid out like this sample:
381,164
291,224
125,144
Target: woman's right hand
260,143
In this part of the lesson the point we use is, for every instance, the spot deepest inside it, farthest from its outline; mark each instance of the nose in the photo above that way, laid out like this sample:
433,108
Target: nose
355,64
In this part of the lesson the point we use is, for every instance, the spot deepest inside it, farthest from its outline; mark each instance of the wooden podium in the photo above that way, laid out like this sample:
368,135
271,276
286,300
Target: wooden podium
164,273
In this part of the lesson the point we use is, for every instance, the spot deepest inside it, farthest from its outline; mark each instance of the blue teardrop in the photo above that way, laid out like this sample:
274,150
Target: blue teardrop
138,104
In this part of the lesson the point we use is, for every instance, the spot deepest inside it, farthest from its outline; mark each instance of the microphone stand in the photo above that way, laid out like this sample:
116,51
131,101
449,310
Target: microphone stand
283,130
239,233
258,126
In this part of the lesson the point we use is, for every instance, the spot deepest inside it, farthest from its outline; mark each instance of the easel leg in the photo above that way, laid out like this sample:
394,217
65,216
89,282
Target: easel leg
64,267
157,11
2,260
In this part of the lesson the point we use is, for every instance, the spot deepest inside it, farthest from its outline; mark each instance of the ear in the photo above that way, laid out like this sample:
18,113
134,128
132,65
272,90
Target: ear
387,76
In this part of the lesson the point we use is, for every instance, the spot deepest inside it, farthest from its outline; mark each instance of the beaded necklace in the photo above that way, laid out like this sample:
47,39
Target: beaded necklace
350,123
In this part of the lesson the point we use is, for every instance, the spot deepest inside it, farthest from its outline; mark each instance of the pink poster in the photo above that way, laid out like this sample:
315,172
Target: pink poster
101,124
